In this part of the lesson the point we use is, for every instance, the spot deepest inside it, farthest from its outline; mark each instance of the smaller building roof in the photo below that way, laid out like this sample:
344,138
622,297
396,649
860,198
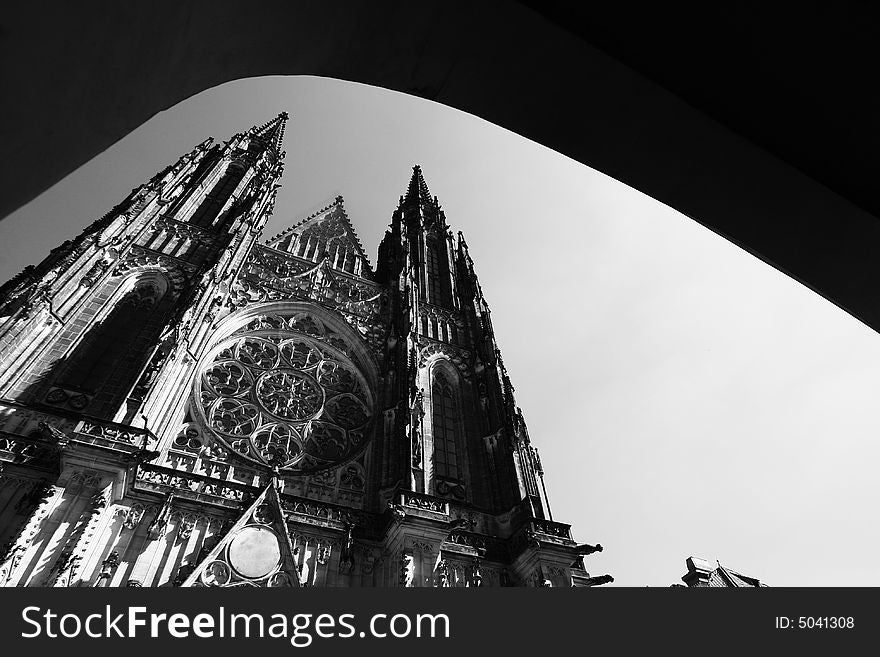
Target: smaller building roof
702,572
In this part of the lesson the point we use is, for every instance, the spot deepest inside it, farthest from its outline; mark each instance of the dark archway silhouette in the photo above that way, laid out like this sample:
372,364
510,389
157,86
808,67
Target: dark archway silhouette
77,77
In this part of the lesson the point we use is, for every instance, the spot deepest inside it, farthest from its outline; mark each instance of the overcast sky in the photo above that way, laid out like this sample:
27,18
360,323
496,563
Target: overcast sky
687,399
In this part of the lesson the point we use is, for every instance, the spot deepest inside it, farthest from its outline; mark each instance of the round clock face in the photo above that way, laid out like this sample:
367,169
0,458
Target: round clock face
285,392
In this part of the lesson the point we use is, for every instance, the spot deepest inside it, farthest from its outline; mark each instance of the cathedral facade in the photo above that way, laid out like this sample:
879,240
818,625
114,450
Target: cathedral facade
183,405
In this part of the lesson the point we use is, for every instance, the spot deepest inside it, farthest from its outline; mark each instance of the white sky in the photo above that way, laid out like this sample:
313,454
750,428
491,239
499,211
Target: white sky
687,399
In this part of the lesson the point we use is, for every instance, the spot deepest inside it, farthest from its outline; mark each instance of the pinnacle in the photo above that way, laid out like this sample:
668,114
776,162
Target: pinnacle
272,132
418,189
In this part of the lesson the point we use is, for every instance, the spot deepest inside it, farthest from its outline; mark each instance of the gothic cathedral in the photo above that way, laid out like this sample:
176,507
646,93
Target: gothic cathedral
181,405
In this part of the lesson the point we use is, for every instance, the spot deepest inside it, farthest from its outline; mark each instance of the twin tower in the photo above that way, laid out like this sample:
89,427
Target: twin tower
181,405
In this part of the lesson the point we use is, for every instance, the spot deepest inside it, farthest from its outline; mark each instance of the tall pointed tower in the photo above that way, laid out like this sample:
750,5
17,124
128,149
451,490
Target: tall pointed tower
182,405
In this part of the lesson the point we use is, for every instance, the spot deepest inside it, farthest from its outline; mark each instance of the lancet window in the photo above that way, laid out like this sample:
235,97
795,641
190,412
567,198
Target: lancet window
445,423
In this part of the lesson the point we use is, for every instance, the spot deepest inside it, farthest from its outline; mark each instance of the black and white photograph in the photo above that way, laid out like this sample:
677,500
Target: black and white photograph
377,295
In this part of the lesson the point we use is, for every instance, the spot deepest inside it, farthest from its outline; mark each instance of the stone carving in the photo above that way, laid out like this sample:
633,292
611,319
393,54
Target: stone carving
556,529
183,572
133,516
425,502
453,488
51,433
95,272
369,563
320,511
442,574
148,378
60,397
186,522
285,398
289,395
23,451
108,567
417,412
109,432
188,439
322,554
352,477
65,567
272,276
540,579
469,540
398,513
160,479
476,575
407,569
346,557
264,514
179,229
458,357
179,272
157,528
84,479
180,462
555,573
9,560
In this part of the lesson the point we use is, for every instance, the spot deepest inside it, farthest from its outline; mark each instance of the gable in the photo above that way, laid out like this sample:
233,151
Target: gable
326,234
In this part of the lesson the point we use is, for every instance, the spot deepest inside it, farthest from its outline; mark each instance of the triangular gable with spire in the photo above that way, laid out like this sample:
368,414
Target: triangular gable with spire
326,234
256,551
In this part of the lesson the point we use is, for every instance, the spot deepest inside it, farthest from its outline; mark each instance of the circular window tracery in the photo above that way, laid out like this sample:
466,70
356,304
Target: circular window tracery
289,395
283,392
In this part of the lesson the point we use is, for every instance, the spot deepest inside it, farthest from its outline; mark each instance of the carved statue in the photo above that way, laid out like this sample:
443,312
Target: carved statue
397,511
11,557
346,557
108,567
476,575
416,447
442,574
407,569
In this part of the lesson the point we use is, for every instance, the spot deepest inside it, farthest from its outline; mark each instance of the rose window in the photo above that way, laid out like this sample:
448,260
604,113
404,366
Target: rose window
284,398
289,395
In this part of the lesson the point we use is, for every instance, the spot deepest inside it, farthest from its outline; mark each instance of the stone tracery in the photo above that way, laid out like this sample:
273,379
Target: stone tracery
282,392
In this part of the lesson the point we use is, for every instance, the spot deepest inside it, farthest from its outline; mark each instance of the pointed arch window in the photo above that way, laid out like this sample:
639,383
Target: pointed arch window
437,266
110,356
445,423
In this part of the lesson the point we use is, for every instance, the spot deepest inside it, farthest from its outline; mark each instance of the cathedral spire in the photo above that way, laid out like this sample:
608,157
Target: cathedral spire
272,132
418,201
418,189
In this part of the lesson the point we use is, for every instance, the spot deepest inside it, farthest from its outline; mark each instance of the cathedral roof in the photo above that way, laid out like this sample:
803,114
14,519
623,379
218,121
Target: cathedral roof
725,577
702,573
